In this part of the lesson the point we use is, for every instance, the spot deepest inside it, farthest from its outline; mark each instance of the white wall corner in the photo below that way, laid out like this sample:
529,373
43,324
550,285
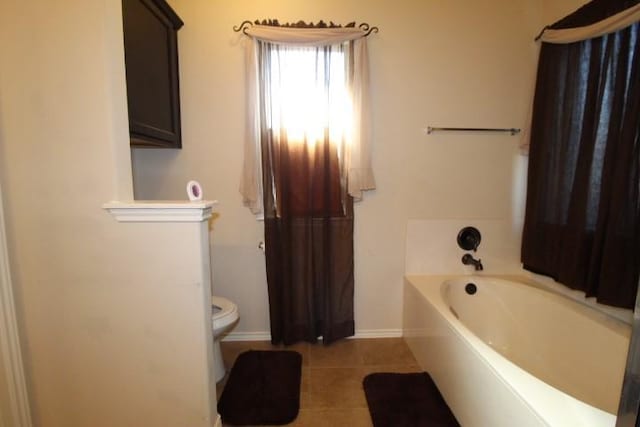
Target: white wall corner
10,354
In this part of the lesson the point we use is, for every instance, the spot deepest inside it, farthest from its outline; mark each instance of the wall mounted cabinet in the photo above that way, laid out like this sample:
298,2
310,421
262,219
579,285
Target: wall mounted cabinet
151,58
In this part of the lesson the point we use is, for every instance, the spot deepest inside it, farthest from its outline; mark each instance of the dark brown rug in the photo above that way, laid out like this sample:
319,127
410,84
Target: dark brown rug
403,400
263,389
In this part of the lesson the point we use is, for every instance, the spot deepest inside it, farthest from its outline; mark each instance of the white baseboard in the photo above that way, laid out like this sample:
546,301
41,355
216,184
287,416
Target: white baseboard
248,336
218,422
266,335
378,333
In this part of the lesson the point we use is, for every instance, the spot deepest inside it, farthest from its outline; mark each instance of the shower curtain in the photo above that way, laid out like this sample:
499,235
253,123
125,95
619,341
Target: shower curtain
582,223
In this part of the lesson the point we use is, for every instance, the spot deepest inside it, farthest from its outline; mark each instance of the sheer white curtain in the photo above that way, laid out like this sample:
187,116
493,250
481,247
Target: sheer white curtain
318,78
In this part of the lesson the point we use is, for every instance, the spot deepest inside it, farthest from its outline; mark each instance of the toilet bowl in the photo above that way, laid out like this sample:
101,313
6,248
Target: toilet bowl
224,315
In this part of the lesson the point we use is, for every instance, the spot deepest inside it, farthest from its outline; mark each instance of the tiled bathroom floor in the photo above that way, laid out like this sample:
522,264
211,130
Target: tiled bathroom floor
331,389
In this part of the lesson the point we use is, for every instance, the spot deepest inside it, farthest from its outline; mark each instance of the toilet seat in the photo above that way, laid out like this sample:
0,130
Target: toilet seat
224,312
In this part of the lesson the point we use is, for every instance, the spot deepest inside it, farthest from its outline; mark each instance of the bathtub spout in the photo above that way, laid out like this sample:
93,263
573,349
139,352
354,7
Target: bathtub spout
468,259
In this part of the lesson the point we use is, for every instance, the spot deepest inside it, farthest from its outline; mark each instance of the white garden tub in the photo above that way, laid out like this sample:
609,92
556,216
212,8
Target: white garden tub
513,354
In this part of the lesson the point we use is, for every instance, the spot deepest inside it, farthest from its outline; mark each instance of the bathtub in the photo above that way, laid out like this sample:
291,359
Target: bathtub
513,354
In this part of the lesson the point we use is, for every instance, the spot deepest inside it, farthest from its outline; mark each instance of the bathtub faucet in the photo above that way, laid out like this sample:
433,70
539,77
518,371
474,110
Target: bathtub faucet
468,259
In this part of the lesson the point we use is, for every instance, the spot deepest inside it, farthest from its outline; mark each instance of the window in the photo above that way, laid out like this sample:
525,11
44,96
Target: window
305,123
308,93
308,125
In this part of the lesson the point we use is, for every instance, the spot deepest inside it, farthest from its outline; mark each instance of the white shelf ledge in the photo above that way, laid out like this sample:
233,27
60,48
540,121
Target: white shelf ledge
160,210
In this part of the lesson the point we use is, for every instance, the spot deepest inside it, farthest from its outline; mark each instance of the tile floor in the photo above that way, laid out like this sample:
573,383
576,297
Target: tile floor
331,389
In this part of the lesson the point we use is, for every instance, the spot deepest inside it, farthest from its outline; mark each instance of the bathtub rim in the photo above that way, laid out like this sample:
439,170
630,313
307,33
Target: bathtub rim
564,411
608,320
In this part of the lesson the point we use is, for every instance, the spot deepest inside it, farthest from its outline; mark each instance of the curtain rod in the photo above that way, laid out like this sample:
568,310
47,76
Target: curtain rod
301,24
512,131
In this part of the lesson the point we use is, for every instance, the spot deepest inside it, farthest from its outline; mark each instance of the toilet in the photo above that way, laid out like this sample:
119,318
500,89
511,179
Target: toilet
224,315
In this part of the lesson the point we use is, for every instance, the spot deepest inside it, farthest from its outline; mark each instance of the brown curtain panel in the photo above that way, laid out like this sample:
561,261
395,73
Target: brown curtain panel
308,225
583,207
309,245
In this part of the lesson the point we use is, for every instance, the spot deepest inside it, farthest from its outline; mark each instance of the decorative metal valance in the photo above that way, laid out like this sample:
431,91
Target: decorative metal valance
301,24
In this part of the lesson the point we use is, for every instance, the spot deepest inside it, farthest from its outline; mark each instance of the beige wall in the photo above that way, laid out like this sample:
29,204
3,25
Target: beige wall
468,64
554,10
433,63
112,315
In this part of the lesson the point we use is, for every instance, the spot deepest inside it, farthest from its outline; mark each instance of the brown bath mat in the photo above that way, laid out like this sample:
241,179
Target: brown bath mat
263,388
406,400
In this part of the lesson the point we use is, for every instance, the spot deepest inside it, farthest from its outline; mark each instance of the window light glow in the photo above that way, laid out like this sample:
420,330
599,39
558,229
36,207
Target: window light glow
309,94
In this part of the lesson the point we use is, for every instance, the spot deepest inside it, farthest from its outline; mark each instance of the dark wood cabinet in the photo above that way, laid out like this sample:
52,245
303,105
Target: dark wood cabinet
151,58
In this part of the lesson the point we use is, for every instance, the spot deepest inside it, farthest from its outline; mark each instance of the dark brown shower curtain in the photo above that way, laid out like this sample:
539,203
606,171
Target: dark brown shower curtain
309,242
582,224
